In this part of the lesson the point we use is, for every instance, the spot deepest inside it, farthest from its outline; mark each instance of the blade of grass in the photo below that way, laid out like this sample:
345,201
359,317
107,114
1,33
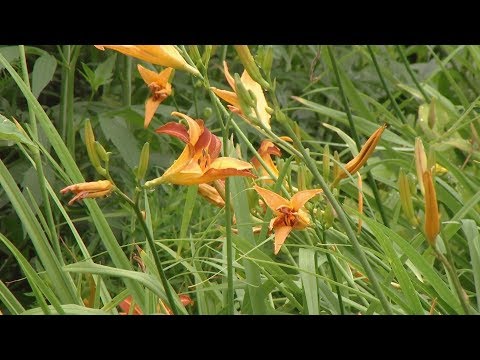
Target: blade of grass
470,229
9,300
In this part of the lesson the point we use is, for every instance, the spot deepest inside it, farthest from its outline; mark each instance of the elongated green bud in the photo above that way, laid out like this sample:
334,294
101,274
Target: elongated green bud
336,167
420,162
102,153
326,162
432,116
243,96
249,63
194,53
266,59
91,149
143,162
406,198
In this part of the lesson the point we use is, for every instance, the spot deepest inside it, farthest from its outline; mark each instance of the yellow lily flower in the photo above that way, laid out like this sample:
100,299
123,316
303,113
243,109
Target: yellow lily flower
199,162
165,55
358,161
290,214
85,190
232,98
159,87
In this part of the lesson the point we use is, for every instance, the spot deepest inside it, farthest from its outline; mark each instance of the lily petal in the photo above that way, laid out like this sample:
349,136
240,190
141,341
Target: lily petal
194,129
281,233
255,87
182,161
228,96
174,129
150,76
230,79
230,163
273,200
190,178
151,107
211,194
301,197
165,55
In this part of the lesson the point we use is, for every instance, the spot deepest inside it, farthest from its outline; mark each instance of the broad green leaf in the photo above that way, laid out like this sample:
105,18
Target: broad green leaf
42,73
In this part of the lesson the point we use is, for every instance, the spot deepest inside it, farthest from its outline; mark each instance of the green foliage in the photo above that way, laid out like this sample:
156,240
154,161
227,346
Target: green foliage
152,244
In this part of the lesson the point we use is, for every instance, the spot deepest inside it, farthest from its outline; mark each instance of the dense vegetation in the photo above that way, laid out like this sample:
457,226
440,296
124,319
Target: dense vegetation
380,142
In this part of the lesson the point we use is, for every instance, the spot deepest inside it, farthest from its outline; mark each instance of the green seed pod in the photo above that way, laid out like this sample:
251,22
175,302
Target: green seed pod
143,162
249,63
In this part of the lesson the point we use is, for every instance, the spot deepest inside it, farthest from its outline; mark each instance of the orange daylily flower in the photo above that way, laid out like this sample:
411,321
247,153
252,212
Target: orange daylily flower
232,98
165,55
159,87
367,149
268,148
199,162
92,189
126,304
290,214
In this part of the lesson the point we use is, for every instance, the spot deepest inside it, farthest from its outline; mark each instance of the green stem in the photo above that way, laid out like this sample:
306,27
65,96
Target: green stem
168,290
385,87
454,277
412,75
370,179
322,236
38,164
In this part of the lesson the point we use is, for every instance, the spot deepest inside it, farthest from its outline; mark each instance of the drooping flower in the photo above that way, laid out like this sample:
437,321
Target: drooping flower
232,96
85,190
159,87
199,162
290,214
367,149
165,55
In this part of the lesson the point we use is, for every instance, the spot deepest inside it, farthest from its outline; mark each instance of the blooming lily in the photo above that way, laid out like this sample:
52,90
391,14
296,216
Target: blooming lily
92,189
165,55
232,96
290,214
159,87
199,162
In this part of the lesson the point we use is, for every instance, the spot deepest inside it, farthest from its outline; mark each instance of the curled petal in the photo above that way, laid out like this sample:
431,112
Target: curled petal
230,79
229,96
174,129
195,129
273,200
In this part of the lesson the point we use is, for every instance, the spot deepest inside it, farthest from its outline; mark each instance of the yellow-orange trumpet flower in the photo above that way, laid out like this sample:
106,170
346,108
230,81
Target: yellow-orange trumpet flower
159,87
85,190
290,214
232,97
199,162
165,55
